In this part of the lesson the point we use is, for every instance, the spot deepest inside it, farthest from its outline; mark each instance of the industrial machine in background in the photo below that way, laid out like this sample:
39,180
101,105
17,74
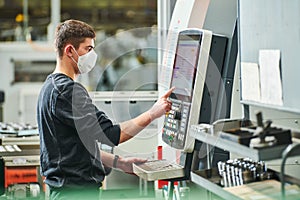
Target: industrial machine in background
19,161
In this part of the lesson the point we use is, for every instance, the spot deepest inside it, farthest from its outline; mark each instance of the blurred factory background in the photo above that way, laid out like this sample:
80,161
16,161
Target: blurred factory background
127,44
33,16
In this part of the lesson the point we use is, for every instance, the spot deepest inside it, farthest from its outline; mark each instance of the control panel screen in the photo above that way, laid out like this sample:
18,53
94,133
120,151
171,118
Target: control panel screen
184,74
185,66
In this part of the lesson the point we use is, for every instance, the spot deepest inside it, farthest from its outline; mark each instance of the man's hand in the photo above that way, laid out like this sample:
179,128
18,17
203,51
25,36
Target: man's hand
162,106
125,164
132,127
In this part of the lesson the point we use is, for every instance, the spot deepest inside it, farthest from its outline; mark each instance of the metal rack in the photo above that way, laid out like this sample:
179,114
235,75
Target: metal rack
255,154
216,137
291,150
210,181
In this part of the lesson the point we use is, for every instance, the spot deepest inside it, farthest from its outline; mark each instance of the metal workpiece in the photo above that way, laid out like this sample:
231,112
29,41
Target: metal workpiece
241,171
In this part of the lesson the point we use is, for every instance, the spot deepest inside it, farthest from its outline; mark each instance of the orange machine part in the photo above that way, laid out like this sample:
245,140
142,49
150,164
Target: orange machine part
14,175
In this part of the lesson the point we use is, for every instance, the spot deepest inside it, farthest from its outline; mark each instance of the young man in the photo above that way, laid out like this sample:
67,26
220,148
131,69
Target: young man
71,126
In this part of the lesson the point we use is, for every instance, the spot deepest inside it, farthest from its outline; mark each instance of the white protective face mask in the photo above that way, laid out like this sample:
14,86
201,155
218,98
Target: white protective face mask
86,62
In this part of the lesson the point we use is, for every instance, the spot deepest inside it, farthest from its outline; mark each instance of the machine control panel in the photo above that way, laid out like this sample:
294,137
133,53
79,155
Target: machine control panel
176,121
188,77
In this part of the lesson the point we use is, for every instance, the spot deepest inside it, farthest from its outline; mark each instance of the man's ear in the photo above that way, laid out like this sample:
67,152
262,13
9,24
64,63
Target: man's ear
68,50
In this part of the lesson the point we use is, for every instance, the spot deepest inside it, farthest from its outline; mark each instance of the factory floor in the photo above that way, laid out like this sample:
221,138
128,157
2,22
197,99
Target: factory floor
119,185
193,192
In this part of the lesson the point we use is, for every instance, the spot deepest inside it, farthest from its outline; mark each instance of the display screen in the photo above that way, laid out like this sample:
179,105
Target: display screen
185,66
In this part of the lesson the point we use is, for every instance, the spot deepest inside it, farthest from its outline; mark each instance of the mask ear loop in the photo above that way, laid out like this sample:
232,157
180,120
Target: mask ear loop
73,58
74,61
75,50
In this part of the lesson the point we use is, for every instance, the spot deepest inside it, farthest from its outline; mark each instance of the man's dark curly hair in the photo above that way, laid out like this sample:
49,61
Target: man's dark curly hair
72,32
